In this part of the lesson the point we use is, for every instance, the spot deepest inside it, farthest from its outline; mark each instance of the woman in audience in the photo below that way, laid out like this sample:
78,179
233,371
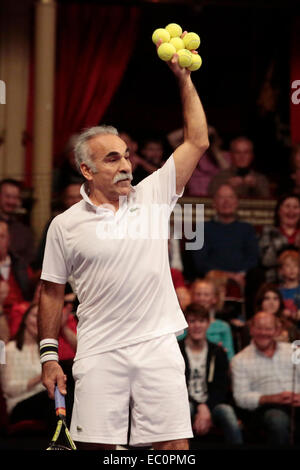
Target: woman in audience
285,233
269,299
25,395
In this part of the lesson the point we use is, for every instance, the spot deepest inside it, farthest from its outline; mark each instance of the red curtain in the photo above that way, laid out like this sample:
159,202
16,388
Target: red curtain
94,45
295,75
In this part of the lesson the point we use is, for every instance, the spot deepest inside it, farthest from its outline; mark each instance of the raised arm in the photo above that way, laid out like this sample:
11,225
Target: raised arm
195,135
49,323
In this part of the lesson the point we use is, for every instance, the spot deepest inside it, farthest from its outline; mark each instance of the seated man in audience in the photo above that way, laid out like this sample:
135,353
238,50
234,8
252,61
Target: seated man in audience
263,384
21,236
229,244
241,176
14,273
207,379
205,294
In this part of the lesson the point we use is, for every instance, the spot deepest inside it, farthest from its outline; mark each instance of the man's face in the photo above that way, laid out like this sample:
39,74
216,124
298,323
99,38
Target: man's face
197,327
290,270
10,199
4,239
242,153
225,201
71,195
204,294
264,331
110,156
153,152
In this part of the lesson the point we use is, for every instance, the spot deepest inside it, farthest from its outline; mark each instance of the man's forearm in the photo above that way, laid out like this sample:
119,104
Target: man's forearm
194,120
50,310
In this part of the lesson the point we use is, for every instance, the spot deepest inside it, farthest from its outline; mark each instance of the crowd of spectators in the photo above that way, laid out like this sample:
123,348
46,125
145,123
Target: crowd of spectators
240,294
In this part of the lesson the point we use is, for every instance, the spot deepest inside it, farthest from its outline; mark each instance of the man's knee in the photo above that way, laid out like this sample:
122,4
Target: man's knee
276,418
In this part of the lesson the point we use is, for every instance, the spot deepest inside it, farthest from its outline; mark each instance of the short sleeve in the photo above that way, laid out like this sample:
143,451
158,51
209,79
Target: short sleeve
162,184
55,267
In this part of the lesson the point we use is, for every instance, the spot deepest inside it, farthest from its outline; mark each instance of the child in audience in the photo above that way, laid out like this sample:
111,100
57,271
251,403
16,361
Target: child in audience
205,293
289,272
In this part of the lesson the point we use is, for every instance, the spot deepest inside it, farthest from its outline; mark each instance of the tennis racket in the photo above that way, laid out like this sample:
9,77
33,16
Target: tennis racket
61,439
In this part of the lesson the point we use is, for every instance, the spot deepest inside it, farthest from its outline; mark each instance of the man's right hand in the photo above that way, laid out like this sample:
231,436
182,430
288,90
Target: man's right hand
53,375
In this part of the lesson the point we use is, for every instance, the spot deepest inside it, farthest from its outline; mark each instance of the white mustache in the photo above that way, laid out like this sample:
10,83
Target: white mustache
122,176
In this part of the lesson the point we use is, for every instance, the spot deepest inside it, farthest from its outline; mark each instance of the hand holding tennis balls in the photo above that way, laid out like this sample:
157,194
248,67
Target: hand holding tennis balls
171,40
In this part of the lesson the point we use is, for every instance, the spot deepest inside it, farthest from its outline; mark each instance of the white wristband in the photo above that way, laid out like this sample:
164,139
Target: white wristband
48,350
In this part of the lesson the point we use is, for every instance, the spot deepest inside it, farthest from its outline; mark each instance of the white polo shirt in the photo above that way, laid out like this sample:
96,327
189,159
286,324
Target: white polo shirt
120,266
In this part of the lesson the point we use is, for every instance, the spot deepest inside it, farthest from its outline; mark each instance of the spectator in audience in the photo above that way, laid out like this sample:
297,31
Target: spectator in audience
263,385
241,176
205,294
283,234
14,273
213,160
269,299
67,173
21,376
141,168
230,303
289,270
67,340
207,378
292,183
229,244
21,236
4,327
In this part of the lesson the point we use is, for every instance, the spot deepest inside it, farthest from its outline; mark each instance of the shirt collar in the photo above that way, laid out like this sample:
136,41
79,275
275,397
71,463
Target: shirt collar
103,207
277,347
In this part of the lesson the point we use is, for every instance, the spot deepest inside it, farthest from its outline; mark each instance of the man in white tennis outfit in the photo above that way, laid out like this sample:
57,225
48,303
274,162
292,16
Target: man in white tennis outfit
113,244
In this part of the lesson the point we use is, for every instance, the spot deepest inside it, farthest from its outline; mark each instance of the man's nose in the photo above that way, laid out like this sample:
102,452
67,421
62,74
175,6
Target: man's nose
125,165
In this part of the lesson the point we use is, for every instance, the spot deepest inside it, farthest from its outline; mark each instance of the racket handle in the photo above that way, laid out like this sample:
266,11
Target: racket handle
60,403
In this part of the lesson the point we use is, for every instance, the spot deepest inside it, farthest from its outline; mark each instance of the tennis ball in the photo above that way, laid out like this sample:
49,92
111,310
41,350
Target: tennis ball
162,34
174,29
184,58
196,63
177,43
191,41
166,51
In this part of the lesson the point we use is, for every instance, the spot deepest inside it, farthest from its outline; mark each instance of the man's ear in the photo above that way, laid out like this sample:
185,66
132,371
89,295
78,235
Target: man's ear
86,171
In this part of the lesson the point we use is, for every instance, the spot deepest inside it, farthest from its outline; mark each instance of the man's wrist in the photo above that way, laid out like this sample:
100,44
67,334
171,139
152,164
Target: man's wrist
49,350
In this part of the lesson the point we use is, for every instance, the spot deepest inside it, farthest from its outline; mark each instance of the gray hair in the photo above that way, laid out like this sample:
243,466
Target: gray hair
82,150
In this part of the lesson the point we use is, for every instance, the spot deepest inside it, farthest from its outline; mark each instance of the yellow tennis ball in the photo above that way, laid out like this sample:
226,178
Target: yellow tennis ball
184,58
174,29
166,51
196,63
177,43
191,41
162,34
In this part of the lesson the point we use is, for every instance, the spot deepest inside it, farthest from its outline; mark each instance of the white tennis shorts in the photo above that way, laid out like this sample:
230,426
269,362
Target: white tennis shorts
148,378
